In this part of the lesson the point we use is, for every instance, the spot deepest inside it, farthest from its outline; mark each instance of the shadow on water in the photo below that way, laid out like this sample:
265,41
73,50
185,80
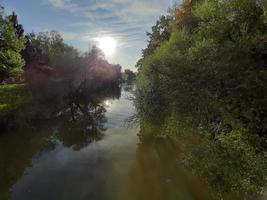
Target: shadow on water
157,172
75,124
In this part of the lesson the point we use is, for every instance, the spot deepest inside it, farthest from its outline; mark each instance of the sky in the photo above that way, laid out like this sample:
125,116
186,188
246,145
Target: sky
81,21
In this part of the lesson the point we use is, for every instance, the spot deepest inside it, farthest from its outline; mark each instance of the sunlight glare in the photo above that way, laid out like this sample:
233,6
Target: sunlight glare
107,103
107,45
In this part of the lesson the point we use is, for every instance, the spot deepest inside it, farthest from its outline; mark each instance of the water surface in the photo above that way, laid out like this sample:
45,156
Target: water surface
56,162
96,156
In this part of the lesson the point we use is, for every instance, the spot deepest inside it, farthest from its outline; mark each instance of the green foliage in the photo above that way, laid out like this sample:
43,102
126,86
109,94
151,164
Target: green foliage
13,96
50,44
49,58
220,66
45,48
230,164
129,76
210,76
160,33
11,45
150,104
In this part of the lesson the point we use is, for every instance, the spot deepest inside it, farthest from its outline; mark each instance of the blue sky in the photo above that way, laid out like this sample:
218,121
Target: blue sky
79,21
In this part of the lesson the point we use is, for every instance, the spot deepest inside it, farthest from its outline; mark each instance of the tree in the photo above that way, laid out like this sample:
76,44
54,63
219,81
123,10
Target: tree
14,20
130,75
216,64
210,78
160,33
51,45
11,44
184,16
47,55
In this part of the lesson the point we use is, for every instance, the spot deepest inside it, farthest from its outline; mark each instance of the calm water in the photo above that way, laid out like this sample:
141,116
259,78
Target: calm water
105,161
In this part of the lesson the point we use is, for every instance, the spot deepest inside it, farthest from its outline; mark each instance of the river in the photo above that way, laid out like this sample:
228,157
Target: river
62,161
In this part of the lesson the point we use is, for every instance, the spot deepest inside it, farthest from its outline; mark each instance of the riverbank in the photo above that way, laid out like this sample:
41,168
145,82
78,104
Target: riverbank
229,165
13,96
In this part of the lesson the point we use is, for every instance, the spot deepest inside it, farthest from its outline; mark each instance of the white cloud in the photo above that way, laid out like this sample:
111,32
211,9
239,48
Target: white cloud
126,10
69,35
125,20
59,3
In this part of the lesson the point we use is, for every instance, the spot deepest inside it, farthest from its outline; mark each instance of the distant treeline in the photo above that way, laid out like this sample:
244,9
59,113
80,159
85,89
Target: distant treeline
205,71
128,76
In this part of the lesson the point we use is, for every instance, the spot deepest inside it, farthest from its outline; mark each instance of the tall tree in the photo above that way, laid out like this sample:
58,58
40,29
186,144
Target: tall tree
11,45
160,32
13,18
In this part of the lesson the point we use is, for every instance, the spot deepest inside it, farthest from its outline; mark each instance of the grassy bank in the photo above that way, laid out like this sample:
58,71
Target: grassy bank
13,97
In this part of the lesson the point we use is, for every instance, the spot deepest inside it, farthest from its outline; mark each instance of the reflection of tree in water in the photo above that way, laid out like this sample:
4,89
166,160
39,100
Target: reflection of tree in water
84,118
157,174
80,122
86,126
16,152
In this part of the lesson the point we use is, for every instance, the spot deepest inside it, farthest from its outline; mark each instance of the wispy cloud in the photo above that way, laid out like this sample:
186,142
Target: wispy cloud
60,3
118,15
80,21
125,20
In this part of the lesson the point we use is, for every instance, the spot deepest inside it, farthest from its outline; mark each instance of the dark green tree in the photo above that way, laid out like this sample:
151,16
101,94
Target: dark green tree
210,76
160,32
13,18
130,75
11,45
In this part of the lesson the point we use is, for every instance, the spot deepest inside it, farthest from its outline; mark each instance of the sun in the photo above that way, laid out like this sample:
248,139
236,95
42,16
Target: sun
107,45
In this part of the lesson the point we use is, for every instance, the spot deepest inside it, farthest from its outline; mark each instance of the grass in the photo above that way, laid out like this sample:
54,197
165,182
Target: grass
13,97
